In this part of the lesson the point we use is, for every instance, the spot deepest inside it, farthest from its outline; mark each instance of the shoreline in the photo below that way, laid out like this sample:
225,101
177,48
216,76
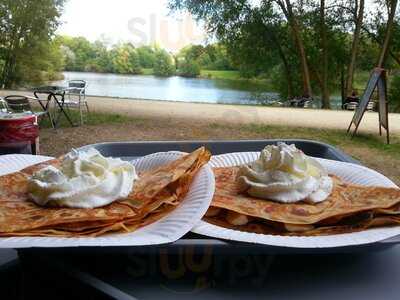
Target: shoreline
235,113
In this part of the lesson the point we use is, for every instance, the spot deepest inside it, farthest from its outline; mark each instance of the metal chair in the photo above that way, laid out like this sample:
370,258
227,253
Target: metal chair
354,105
19,104
303,102
76,93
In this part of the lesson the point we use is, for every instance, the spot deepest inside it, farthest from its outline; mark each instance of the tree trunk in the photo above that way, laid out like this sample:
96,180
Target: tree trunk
324,86
287,9
358,18
388,34
288,72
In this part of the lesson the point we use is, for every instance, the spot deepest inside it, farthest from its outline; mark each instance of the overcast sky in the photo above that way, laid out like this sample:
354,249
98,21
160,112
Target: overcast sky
138,21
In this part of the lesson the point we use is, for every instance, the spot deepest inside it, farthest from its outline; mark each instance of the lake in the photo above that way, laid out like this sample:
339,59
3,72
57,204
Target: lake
174,88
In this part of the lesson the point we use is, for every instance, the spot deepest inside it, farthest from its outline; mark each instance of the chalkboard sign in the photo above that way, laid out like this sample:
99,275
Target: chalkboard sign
377,79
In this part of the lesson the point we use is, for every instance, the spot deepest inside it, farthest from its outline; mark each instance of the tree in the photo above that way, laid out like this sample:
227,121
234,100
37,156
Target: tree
146,56
229,18
163,64
125,59
391,6
324,49
84,53
358,16
288,10
26,29
189,68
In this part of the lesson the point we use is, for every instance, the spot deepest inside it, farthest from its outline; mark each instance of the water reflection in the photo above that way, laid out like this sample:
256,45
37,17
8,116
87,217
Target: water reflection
178,89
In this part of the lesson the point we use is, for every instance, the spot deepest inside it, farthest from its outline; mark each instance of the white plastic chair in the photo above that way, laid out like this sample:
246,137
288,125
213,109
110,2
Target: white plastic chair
76,96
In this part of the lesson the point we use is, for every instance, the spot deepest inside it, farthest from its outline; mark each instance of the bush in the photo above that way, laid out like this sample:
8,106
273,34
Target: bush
189,69
163,65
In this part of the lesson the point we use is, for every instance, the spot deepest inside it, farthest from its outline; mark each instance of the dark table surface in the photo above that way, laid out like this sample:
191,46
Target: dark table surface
199,268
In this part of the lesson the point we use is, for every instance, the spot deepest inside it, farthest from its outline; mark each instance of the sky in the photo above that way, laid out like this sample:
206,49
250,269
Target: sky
138,21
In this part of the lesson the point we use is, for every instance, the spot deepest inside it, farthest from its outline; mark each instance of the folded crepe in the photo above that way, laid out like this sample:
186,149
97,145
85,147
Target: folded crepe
349,208
156,193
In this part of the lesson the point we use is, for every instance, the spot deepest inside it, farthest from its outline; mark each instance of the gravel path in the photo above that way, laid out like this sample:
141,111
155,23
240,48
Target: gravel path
241,114
237,114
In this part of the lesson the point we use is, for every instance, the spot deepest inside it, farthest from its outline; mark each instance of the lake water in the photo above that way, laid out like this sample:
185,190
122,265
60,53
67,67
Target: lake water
175,88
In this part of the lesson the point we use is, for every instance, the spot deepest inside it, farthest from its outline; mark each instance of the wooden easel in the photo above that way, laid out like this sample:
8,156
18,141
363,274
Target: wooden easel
377,79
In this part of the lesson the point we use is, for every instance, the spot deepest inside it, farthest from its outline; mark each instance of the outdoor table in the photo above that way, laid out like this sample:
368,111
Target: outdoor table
19,133
199,267
57,93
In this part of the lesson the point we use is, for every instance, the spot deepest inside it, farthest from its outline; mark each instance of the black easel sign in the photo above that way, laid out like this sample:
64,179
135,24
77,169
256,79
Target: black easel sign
377,79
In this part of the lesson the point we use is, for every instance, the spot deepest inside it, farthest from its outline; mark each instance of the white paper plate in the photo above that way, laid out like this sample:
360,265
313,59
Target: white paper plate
347,171
168,229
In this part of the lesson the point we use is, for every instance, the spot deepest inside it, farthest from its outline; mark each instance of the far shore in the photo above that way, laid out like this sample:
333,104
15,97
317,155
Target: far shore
234,114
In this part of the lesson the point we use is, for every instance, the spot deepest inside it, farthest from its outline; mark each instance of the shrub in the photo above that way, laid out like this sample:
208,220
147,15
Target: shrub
163,65
189,69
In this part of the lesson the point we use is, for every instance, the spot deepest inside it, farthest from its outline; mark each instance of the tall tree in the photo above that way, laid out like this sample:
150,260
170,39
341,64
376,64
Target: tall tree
358,17
26,27
391,6
324,49
288,10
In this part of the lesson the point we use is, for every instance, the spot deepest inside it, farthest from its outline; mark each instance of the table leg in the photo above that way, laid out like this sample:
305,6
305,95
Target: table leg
46,107
61,110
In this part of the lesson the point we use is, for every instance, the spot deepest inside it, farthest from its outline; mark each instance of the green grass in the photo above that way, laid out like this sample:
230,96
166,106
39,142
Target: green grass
147,71
217,74
333,137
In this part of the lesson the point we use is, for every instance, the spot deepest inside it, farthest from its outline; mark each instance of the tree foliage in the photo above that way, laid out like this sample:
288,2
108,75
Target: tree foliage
395,93
189,68
27,50
163,65
306,47
210,57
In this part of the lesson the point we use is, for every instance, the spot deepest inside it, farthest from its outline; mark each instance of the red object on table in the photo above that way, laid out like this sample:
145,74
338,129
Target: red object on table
19,134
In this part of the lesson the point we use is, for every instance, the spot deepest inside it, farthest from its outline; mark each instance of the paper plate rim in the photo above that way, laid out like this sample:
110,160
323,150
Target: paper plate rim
203,186
368,236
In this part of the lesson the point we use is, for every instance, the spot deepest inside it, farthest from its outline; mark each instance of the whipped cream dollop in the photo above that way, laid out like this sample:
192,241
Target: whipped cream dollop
86,179
285,174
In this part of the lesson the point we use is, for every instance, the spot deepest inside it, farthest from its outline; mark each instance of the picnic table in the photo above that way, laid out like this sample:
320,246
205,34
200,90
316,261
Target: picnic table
57,94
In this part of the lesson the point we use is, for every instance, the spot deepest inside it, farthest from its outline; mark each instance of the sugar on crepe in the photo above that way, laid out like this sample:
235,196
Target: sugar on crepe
346,208
155,193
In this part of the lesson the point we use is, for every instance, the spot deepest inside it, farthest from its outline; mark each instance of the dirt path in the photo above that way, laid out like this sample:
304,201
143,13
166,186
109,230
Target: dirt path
237,114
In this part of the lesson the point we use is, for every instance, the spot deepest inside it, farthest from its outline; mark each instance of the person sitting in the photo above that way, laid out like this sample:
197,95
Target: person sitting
353,99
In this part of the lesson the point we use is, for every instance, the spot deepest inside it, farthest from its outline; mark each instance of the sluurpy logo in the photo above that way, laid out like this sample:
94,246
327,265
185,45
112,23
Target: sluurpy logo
188,270
172,35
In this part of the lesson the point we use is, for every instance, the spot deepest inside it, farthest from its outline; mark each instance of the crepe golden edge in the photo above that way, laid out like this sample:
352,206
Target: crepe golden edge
349,208
155,194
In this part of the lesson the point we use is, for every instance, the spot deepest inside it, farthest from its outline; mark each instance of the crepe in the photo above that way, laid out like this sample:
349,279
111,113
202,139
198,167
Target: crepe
156,193
349,208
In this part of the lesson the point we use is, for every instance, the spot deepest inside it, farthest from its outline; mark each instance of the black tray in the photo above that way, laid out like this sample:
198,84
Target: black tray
129,272
132,150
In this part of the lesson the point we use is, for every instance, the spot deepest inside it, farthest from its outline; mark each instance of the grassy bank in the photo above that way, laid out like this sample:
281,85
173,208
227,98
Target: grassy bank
100,127
212,74
216,74
360,78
